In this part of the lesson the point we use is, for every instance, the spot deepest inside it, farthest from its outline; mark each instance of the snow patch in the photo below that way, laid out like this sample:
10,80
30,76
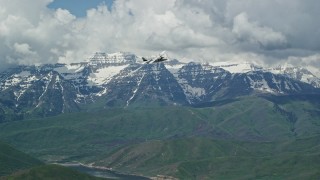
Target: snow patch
260,85
104,91
47,80
236,67
189,91
104,75
135,91
70,68
173,69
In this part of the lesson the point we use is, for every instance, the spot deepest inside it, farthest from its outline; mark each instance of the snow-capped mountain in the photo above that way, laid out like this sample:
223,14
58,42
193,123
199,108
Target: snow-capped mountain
234,67
121,79
298,73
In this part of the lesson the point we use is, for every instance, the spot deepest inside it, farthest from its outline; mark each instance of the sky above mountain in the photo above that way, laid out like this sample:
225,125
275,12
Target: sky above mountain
265,32
79,7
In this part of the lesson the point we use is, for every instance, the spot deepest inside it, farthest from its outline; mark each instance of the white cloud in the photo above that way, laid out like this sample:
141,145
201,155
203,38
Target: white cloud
23,54
265,31
311,62
64,16
23,49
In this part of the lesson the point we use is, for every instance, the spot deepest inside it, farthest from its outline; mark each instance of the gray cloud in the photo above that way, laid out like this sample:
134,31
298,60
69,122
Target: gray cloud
265,37
265,31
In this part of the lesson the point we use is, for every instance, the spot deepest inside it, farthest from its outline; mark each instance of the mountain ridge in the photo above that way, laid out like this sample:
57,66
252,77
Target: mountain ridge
12,160
120,79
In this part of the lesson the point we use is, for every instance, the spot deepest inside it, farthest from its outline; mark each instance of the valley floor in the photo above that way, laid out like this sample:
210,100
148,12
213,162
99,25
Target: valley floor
248,138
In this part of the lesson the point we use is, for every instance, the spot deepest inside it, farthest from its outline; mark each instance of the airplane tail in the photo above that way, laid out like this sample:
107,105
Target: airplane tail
164,55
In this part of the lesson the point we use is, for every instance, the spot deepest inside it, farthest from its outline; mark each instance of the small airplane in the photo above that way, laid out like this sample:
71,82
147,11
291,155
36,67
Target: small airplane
161,58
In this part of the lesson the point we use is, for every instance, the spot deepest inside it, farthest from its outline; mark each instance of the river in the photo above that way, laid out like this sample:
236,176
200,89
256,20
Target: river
102,172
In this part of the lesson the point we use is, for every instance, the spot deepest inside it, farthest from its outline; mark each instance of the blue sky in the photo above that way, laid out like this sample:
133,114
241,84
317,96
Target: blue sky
78,7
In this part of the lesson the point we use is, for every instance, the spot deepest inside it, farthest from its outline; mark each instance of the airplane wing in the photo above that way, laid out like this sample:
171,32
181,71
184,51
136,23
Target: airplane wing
162,53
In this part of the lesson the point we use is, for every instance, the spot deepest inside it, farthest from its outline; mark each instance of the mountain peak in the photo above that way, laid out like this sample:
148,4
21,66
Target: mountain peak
115,58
